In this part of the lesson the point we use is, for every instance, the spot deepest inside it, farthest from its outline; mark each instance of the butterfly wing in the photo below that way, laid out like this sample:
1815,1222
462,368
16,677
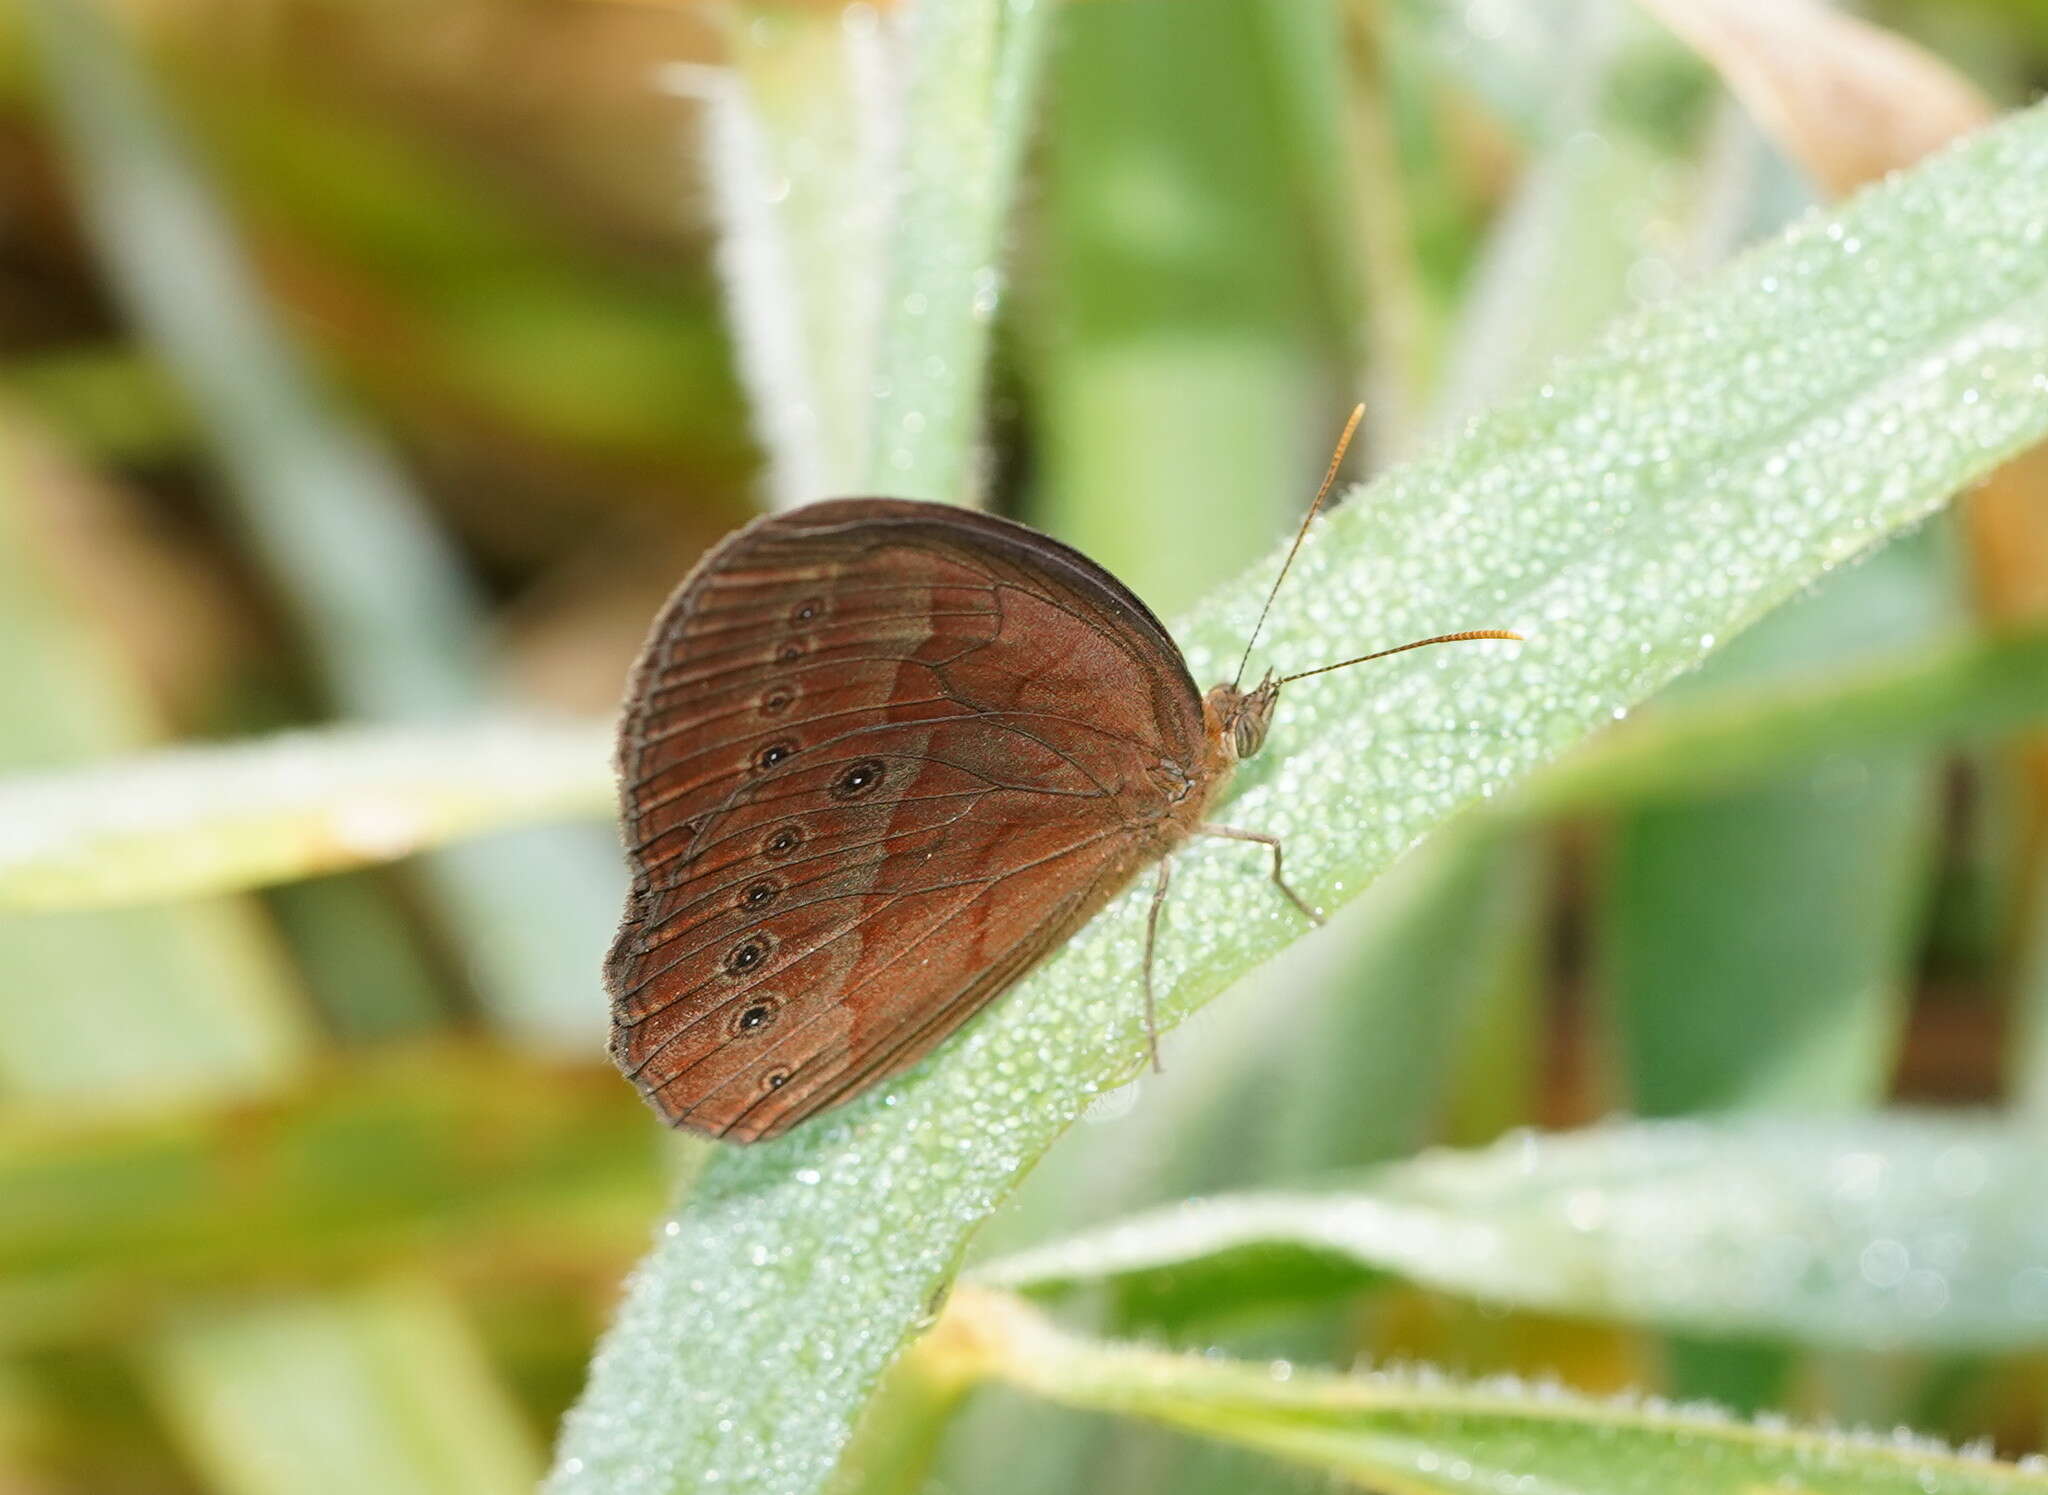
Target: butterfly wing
877,758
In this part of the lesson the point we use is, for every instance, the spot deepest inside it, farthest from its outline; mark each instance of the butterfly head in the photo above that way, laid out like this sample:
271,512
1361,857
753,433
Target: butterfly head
1243,717
1238,719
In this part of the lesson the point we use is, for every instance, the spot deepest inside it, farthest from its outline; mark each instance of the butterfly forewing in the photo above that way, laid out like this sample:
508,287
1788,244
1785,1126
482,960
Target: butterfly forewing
877,758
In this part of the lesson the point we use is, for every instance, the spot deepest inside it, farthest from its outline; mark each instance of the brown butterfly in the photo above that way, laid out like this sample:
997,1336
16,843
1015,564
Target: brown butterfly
878,757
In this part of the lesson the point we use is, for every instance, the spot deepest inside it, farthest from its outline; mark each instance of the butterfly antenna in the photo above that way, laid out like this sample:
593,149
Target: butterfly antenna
1421,643
1336,461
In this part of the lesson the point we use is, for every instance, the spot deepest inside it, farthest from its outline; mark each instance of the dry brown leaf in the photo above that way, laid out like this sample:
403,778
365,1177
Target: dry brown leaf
1847,100
2008,527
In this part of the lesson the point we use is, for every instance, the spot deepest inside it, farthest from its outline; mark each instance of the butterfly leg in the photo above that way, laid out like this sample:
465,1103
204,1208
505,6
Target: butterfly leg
1151,943
1232,833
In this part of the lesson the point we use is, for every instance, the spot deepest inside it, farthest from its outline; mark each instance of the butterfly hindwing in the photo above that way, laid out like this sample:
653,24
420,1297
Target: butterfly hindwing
877,758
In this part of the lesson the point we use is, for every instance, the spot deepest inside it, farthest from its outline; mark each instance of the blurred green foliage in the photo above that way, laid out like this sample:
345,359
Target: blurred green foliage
383,367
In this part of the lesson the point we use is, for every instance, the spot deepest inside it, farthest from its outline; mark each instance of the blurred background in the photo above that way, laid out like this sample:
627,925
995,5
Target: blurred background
370,362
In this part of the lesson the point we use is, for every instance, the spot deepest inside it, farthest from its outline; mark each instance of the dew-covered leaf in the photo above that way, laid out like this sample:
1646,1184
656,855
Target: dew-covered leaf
1874,1232
207,819
1426,1433
1706,462
862,161
1972,688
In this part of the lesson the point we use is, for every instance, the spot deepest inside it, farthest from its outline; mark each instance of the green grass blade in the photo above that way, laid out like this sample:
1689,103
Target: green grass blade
383,602
522,322
1778,977
1182,359
863,165
1873,1232
1709,460
1755,946
1702,742
147,1006
1446,932
798,159
364,967
380,598
146,1003
1600,206
1511,62
1784,984
478,1159
1413,1434
186,820
337,1395
1596,215
2028,1066
969,92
